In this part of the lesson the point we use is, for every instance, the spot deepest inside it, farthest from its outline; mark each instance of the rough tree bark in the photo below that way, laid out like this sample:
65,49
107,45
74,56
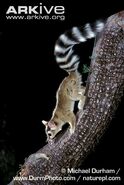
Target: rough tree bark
104,91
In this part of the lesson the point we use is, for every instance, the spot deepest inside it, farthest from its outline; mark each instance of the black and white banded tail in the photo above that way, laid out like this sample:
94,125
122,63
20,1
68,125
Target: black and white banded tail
64,54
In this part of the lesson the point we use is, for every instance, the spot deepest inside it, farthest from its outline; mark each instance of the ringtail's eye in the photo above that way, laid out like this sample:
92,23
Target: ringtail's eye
49,134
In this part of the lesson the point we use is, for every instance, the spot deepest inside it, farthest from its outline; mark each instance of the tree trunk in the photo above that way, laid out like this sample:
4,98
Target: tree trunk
104,91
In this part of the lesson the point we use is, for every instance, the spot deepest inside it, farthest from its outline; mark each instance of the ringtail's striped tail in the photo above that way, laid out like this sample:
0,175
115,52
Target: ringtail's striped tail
64,53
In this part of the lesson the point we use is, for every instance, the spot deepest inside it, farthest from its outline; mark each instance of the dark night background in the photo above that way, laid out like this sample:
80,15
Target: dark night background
29,78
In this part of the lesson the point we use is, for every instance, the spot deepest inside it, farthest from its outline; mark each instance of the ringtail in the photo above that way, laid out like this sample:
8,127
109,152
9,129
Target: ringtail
71,88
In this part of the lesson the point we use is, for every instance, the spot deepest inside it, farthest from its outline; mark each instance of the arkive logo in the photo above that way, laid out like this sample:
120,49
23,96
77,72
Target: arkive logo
36,10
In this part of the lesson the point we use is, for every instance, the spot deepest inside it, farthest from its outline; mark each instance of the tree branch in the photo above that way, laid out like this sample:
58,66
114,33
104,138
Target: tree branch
104,91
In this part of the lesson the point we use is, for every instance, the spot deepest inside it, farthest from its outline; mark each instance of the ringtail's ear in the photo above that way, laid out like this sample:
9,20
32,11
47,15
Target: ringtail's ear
44,122
52,125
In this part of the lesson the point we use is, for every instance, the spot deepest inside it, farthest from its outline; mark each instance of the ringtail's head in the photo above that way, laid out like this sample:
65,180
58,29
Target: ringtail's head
51,128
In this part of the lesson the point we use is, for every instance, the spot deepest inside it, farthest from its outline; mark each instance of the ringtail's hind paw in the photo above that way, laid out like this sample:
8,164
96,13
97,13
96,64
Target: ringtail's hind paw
72,122
81,103
72,130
